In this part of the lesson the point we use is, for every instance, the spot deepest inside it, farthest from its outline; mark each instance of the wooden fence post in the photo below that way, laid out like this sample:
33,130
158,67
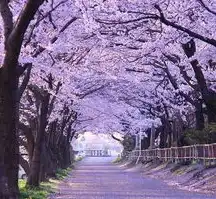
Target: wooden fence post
205,153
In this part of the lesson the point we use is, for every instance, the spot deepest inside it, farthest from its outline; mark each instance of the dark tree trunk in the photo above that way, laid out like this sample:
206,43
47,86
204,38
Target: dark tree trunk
210,102
164,133
28,133
200,121
24,164
66,156
51,163
209,96
43,164
9,148
163,140
34,175
174,132
145,143
9,101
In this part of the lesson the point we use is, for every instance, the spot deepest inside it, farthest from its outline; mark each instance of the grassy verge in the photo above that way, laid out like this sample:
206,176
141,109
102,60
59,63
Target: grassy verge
79,158
45,188
117,160
62,173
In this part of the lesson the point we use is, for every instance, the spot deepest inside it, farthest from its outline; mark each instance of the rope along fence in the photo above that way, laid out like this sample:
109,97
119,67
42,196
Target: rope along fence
205,152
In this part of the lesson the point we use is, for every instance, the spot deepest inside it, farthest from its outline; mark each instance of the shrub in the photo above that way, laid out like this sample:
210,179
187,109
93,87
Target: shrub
205,136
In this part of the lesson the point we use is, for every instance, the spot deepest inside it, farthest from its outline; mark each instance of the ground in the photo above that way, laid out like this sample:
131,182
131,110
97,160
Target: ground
99,178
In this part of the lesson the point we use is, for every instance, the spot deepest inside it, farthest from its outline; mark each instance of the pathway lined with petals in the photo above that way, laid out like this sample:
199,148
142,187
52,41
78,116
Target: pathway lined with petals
98,178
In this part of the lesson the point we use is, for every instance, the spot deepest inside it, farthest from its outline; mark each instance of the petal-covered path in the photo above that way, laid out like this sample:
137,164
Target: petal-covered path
98,178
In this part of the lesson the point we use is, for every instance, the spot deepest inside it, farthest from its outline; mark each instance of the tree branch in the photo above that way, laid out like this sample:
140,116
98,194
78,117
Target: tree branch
48,14
55,38
81,96
7,18
115,138
190,49
15,39
206,7
183,29
25,81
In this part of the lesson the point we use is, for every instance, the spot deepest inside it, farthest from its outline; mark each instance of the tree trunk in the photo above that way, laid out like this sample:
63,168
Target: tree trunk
164,133
24,164
174,132
163,140
34,176
51,163
200,121
152,139
209,96
210,102
9,148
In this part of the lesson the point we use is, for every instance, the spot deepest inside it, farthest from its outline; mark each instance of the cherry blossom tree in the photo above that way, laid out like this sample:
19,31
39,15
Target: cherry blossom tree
10,72
101,66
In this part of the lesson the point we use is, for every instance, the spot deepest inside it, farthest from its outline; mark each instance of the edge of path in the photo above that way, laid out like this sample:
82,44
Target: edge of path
192,177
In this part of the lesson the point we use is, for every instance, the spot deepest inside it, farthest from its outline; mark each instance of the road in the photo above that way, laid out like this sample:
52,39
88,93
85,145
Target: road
98,178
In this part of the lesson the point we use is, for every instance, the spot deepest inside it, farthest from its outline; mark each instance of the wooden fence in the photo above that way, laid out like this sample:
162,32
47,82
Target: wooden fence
176,154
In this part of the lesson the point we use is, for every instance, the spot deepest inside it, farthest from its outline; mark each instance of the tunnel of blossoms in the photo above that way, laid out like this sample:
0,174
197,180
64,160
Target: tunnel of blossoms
116,67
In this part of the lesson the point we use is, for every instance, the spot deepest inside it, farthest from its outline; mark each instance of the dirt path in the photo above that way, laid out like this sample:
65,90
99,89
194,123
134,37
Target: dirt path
98,178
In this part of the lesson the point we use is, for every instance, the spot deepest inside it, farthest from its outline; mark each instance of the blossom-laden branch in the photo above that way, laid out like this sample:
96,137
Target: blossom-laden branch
183,29
206,7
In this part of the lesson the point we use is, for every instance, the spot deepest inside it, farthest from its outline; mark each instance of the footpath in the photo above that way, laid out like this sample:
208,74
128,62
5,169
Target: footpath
99,178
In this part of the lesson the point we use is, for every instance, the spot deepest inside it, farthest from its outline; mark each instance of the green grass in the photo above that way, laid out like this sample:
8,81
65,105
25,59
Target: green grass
77,159
117,160
45,188
62,173
36,193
